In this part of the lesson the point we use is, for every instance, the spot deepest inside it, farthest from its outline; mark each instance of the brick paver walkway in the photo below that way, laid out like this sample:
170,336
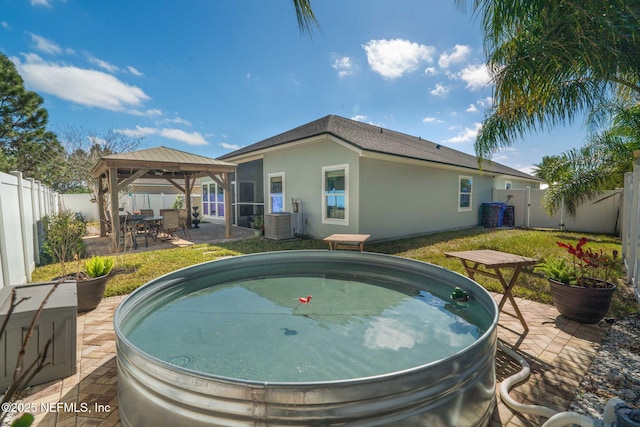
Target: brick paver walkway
559,352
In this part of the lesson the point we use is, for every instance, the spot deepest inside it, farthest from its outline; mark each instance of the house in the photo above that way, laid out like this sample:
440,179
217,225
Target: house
344,176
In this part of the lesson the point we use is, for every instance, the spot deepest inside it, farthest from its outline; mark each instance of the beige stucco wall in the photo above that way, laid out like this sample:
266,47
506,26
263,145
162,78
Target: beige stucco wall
302,165
401,199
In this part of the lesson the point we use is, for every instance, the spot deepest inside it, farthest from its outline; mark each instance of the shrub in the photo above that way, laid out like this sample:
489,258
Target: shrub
63,238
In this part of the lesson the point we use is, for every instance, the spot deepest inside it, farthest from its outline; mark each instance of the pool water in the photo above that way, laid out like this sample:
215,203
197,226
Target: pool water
258,330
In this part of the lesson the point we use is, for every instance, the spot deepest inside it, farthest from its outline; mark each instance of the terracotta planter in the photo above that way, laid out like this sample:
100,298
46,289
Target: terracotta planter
584,305
91,291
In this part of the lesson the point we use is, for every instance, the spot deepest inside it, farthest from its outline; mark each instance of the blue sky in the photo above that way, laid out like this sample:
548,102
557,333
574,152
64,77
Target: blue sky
208,77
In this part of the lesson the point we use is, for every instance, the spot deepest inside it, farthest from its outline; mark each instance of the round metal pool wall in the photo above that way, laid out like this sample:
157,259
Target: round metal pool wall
458,390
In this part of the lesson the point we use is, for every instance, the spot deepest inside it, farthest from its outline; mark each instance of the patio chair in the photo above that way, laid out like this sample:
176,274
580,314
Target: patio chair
170,224
133,227
146,212
183,216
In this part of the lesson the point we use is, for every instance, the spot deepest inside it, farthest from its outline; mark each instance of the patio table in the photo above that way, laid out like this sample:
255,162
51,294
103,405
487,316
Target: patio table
492,263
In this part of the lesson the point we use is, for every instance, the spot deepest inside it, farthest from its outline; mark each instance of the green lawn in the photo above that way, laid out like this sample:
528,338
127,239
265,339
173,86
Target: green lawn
134,269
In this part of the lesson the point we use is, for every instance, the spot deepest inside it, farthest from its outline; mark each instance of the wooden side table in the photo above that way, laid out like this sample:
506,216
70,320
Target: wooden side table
493,262
346,241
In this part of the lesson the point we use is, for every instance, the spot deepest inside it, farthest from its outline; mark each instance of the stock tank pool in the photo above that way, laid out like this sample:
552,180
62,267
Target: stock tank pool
238,342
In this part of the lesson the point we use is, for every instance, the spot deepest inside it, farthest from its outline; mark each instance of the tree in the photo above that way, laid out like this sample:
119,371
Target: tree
551,61
25,144
306,18
82,150
550,170
601,163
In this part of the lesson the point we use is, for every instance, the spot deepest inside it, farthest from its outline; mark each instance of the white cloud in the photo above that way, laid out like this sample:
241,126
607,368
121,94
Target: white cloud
193,138
344,66
430,71
466,135
40,3
431,120
138,131
439,90
177,121
359,118
459,54
476,76
45,45
90,88
5,25
134,71
394,58
103,64
152,112
485,102
229,146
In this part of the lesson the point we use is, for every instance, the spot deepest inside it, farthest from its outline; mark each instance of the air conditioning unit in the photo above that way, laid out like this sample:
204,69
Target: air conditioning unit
277,226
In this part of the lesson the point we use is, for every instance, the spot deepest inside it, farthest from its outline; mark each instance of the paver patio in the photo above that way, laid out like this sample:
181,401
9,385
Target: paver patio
558,350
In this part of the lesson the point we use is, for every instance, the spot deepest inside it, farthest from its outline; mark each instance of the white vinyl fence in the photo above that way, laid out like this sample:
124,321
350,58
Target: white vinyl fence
631,225
601,215
130,202
23,203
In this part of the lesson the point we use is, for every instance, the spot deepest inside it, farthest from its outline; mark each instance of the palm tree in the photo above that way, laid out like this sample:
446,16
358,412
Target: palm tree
306,18
550,169
553,60
601,163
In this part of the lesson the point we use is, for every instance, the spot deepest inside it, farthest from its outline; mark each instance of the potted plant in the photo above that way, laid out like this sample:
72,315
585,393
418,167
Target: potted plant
582,288
92,283
258,225
63,242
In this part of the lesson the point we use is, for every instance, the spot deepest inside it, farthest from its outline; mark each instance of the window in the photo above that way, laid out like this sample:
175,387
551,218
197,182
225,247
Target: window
465,184
335,194
507,185
276,192
212,200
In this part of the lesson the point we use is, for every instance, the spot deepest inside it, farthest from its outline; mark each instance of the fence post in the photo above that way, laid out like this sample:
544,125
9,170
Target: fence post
634,223
4,261
37,216
23,226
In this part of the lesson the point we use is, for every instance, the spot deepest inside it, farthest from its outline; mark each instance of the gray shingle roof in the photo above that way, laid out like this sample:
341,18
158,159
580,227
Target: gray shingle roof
379,140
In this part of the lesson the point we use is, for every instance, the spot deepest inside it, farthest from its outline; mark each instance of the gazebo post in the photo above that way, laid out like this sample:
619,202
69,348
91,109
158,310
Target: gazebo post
100,200
187,198
115,214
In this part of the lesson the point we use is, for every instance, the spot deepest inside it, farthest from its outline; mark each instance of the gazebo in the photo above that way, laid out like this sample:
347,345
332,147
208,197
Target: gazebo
115,172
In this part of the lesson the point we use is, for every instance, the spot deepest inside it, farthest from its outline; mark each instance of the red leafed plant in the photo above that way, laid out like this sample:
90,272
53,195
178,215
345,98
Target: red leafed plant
592,268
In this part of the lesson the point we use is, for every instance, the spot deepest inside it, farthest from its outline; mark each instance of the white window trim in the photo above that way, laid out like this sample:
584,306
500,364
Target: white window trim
463,209
273,175
215,186
335,221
